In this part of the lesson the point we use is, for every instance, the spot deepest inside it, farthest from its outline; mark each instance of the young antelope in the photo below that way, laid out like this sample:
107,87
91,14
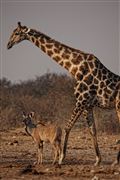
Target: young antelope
44,133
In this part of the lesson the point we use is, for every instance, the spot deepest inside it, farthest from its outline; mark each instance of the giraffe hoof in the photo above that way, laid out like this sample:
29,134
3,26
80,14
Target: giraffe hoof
96,164
61,159
98,161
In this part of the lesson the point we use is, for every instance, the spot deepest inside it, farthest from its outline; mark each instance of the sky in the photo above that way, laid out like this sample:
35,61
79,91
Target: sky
91,26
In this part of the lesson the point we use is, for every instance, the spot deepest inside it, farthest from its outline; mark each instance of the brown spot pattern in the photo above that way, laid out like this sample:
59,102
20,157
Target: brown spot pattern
89,79
74,70
50,53
49,46
75,55
56,51
91,57
42,40
67,65
61,63
43,48
37,43
91,65
83,70
65,56
57,58
57,45
77,60
85,56
33,40
83,87
79,76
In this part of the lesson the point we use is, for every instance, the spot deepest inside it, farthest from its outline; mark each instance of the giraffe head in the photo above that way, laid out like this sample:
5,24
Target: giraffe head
18,35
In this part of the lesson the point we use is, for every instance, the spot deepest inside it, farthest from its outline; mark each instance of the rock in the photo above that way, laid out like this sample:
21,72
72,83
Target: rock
15,143
92,171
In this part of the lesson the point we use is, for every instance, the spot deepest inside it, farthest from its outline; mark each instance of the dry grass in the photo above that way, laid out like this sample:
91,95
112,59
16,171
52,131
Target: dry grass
51,97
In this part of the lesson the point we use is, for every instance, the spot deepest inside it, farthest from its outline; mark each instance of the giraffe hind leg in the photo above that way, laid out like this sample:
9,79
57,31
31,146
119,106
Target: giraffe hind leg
92,128
63,153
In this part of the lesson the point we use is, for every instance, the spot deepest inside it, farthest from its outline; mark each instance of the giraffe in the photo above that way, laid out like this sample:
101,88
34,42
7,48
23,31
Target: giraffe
95,84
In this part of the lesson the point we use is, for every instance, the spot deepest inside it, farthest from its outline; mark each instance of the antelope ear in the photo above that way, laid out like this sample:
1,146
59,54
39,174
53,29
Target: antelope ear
19,24
24,115
31,114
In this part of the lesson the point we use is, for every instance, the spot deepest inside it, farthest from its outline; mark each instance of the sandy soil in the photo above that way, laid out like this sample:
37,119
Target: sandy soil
18,154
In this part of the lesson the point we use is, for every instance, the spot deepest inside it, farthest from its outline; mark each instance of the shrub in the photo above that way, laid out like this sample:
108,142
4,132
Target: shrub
51,97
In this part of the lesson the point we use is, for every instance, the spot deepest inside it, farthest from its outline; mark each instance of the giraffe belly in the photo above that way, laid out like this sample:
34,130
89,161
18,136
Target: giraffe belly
106,103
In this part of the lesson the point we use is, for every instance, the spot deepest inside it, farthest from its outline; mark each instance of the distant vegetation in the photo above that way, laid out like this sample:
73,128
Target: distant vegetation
51,97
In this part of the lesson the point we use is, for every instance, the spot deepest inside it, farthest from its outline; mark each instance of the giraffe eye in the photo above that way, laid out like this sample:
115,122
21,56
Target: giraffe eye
17,33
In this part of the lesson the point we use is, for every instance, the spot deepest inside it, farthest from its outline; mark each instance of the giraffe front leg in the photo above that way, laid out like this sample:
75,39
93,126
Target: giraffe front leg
92,129
65,141
76,113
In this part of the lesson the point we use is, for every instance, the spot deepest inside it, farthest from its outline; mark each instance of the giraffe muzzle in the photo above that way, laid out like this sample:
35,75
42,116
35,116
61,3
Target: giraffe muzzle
9,45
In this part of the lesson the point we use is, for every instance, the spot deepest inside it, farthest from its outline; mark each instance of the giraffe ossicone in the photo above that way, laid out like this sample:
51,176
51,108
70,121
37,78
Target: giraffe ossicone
95,84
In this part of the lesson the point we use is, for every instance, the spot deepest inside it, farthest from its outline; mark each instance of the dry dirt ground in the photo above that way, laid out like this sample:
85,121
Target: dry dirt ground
18,154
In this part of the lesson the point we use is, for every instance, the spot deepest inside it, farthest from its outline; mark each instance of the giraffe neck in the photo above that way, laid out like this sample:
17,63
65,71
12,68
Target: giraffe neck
65,56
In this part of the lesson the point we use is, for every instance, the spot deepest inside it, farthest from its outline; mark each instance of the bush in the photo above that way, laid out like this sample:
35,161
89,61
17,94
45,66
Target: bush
51,97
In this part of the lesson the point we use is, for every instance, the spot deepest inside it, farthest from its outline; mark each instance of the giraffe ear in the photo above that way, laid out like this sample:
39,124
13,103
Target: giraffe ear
19,24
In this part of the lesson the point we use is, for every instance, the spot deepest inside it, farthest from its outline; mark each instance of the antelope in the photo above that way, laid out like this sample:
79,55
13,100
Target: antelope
43,133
